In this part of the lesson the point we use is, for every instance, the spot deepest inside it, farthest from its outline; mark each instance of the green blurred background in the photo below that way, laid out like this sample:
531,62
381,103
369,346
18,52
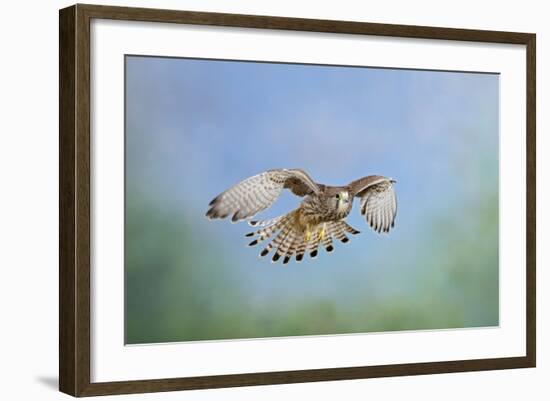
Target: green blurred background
195,127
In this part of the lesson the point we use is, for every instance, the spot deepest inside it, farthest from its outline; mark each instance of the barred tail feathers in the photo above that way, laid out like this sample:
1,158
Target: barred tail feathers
313,245
290,241
279,227
338,230
267,222
267,230
279,241
287,237
326,239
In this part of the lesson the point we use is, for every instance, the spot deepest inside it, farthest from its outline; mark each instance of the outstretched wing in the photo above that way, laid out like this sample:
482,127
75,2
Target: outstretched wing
378,201
257,193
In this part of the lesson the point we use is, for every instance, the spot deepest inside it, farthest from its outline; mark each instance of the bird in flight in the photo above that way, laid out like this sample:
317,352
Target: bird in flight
318,219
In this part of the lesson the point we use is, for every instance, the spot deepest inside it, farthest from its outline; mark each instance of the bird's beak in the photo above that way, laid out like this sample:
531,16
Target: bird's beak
392,181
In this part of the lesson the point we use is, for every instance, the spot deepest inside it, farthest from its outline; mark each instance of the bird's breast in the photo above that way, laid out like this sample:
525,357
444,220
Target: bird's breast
314,211
342,213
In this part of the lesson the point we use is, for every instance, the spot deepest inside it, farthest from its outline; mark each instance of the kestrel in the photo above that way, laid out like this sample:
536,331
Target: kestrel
317,220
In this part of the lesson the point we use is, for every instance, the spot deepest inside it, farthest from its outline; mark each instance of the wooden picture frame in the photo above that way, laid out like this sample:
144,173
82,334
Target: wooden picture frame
74,200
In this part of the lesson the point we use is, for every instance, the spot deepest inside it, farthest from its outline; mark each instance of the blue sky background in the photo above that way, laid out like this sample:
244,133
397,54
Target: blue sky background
196,127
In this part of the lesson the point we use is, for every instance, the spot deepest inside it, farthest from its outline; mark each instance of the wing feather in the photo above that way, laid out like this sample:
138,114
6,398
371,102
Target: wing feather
256,193
378,201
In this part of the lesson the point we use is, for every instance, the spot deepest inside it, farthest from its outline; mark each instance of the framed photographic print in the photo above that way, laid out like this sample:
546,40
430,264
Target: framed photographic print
251,200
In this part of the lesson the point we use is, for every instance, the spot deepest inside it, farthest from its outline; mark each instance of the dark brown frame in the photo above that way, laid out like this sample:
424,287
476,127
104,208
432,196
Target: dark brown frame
74,199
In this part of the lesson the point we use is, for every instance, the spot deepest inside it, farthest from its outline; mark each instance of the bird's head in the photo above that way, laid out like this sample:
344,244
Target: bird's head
342,200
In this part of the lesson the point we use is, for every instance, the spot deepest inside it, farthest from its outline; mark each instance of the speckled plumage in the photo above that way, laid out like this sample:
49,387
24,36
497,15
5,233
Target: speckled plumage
318,219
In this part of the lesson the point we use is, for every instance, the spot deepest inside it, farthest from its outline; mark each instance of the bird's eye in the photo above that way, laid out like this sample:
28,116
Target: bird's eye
337,196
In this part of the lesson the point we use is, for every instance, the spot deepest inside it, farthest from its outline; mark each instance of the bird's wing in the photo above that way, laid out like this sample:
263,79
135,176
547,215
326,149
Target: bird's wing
254,194
378,201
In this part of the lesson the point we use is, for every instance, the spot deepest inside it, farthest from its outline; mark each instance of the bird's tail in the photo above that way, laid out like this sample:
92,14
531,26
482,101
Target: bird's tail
332,230
289,240
280,227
